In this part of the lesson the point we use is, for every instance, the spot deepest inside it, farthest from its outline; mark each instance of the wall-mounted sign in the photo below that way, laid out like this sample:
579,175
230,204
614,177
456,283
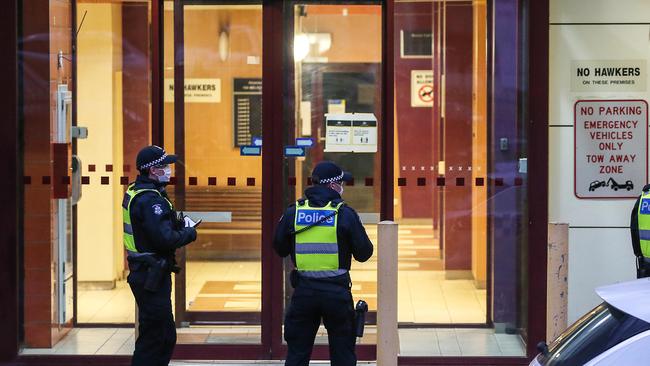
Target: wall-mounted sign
611,148
247,110
293,151
196,90
422,88
336,106
351,132
305,141
609,75
416,44
253,150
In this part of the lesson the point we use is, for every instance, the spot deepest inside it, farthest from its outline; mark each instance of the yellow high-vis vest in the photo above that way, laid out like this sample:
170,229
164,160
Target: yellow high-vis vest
129,195
317,248
644,223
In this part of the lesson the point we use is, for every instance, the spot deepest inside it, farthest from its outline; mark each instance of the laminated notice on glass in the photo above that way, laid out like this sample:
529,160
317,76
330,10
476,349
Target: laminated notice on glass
247,110
351,132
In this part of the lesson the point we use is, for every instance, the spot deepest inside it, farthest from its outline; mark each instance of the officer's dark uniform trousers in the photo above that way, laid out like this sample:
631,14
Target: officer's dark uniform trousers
157,331
155,231
328,299
331,300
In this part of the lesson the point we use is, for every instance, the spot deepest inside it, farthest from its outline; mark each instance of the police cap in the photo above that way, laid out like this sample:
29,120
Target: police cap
153,155
328,172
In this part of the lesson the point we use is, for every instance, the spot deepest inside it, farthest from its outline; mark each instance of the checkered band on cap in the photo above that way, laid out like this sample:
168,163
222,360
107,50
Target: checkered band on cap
153,163
331,180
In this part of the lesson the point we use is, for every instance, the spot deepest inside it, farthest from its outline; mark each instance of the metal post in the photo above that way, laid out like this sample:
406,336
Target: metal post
387,335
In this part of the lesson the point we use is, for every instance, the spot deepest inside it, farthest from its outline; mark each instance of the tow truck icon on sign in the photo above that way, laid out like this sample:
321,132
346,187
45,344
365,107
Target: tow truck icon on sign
611,183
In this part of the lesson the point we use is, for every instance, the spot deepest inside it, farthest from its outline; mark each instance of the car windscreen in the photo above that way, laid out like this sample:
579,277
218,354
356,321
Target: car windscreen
597,331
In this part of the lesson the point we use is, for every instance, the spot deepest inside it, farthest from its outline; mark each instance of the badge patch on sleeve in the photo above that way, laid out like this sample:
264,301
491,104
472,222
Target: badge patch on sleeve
157,209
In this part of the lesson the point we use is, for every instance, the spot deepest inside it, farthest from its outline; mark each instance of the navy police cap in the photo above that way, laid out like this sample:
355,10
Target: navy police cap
328,172
153,155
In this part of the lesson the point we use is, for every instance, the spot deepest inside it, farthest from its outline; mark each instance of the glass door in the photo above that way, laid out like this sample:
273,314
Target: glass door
216,130
335,67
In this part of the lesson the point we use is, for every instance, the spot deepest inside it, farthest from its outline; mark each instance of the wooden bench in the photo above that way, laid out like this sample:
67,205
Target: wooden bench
236,240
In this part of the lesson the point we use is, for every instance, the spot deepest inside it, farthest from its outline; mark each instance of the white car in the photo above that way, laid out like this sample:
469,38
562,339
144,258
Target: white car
616,332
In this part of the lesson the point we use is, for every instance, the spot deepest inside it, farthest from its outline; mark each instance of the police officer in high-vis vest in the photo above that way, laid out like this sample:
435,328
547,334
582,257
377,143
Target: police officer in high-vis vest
152,233
322,234
640,232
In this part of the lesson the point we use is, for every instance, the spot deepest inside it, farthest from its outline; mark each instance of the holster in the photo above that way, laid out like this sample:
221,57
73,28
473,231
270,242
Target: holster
642,269
155,267
360,317
294,277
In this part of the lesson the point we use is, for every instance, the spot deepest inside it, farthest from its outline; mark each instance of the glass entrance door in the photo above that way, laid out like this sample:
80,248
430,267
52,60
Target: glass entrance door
216,129
336,93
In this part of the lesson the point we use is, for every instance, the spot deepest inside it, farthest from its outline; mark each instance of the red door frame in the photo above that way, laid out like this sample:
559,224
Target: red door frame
12,185
272,169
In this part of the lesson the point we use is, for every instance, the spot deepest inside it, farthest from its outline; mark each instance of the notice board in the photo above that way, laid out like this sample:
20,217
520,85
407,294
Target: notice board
247,110
611,148
351,132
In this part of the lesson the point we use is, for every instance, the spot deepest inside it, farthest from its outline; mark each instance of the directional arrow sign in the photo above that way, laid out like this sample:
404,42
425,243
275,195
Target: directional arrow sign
294,151
250,150
305,141
257,141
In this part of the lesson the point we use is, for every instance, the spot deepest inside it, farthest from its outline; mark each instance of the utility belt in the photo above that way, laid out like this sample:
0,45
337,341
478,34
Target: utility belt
155,266
642,267
331,284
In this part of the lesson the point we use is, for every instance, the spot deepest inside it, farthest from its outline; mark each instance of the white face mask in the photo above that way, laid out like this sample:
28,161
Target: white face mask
165,177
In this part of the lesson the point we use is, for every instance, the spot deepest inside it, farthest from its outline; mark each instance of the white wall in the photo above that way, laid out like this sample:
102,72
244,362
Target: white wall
99,224
600,251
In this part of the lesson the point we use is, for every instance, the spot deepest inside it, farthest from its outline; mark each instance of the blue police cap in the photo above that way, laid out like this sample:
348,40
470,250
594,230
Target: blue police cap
153,155
328,172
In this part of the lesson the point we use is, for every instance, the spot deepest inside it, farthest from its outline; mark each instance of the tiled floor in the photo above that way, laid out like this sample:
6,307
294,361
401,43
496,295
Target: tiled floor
459,342
235,286
413,342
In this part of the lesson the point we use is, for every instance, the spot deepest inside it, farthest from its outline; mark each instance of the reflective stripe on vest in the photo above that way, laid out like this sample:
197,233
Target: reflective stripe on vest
644,224
317,248
129,195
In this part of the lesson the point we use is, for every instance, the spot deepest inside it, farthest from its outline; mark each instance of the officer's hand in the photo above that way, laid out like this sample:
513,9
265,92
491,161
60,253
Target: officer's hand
179,220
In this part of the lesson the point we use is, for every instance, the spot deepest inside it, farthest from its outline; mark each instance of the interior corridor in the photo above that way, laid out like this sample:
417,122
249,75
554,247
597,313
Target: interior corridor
425,296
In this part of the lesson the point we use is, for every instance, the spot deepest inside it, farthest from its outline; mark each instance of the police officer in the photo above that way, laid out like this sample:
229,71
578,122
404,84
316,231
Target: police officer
640,232
321,233
152,233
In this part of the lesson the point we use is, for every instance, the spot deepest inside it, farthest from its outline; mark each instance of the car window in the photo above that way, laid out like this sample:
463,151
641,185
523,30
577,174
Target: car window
597,331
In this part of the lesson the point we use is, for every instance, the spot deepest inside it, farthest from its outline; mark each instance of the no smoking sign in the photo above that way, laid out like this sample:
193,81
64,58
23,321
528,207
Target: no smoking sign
426,93
422,92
